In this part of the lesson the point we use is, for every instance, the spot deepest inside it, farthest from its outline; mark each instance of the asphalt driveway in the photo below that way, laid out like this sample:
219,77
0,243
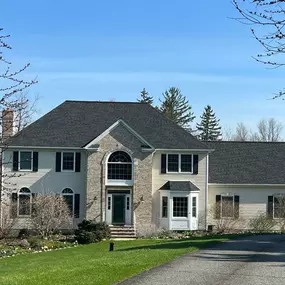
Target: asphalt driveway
255,260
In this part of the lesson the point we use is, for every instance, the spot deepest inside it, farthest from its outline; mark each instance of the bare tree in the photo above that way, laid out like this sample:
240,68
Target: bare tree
7,223
227,133
27,108
242,132
267,20
11,85
50,213
269,130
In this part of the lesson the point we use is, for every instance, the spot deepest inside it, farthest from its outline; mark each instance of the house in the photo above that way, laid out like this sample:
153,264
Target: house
127,164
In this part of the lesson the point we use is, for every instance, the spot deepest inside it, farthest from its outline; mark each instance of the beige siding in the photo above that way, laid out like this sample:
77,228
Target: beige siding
46,179
158,180
253,199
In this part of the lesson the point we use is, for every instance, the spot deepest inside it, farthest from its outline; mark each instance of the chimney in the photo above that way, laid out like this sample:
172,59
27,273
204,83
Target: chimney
7,123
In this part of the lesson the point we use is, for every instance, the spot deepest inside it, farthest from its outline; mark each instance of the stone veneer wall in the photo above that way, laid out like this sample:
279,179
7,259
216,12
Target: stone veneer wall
120,139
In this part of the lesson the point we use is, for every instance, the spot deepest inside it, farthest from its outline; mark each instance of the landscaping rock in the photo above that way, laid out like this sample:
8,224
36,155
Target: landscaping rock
24,243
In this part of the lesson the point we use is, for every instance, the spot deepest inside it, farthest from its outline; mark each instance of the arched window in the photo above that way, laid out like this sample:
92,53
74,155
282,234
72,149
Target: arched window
68,196
120,166
24,202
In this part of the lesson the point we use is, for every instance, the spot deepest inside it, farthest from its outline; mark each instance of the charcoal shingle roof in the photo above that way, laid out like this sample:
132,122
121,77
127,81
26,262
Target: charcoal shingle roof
247,162
179,186
76,123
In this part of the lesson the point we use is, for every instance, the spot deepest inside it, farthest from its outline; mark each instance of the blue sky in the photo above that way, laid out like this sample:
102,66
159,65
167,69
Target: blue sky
111,50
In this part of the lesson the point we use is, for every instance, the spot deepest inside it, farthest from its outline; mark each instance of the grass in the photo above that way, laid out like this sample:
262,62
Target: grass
94,264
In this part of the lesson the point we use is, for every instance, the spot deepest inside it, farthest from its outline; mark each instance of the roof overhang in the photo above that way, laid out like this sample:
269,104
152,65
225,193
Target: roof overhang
180,186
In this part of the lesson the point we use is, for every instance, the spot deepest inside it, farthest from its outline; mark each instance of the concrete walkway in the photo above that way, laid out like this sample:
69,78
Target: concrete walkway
255,260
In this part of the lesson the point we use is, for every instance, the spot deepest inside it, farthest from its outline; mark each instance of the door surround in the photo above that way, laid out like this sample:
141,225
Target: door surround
111,195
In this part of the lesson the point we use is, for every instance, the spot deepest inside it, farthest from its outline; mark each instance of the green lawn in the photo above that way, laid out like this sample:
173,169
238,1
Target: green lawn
94,264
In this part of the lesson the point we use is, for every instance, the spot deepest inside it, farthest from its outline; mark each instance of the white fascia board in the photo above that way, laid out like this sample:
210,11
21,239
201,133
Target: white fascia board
185,150
243,185
43,147
112,127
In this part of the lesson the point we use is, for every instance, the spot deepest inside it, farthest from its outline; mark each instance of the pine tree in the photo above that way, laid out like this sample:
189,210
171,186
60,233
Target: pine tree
209,128
176,107
145,98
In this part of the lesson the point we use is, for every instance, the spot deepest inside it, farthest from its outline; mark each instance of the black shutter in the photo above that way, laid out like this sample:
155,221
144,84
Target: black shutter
163,163
77,205
270,207
195,163
58,162
34,195
236,207
14,206
77,161
15,160
218,206
35,161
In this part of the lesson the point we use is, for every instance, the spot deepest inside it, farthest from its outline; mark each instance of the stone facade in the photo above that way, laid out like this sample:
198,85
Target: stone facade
120,139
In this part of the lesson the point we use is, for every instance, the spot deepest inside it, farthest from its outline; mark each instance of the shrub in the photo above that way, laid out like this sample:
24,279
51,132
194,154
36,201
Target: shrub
36,242
89,232
262,223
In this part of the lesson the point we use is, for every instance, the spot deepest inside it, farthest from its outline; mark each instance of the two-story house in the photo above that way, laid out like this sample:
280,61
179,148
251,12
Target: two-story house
128,165
123,163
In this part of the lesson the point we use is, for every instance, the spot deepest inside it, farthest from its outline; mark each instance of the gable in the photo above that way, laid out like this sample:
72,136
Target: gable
120,130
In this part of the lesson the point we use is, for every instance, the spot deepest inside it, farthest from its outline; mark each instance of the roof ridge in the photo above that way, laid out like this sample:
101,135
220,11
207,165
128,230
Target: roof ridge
105,102
245,142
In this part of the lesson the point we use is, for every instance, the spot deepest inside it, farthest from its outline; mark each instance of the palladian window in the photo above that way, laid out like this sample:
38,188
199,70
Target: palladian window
119,166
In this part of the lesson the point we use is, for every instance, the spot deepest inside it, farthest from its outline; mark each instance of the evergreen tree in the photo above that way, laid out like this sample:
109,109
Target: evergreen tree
145,98
209,128
176,107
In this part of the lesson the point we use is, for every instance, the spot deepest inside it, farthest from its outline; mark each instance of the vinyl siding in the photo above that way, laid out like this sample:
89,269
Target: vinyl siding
253,200
46,180
158,180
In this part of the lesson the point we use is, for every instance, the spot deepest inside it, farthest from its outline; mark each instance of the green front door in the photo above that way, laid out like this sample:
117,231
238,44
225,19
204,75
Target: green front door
118,209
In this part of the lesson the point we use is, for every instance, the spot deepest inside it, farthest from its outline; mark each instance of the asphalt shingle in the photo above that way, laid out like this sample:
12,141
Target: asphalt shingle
247,162
76,123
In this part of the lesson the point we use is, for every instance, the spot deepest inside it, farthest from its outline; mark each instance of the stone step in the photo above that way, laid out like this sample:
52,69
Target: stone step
120,237
123,232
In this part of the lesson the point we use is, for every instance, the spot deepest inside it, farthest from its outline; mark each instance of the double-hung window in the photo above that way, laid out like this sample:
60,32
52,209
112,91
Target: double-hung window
24,202
227,206
164,207
25,160
68,161
180,163
279,207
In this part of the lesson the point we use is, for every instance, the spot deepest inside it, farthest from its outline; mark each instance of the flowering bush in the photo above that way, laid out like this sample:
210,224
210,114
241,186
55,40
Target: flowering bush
36,246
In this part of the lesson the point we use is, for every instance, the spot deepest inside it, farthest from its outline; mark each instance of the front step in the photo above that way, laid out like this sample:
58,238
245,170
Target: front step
123,232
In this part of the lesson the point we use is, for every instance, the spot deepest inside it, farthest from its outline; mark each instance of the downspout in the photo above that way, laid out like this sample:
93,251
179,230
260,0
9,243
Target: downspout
206,192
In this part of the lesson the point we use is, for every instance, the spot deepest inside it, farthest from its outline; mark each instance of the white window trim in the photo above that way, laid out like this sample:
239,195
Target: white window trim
19,162
179,163
18,203
277,195
67,170
73,199
221,213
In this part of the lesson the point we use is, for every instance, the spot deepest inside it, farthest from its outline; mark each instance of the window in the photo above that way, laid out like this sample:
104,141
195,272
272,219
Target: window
194,207
173,163
24,202
128,203
164,207
68,196
109,203
68,161
279,207
180,207
180,163
25,162
120,166
227,206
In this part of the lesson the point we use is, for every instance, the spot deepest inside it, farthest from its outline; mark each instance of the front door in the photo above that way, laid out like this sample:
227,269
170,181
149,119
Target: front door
118,209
